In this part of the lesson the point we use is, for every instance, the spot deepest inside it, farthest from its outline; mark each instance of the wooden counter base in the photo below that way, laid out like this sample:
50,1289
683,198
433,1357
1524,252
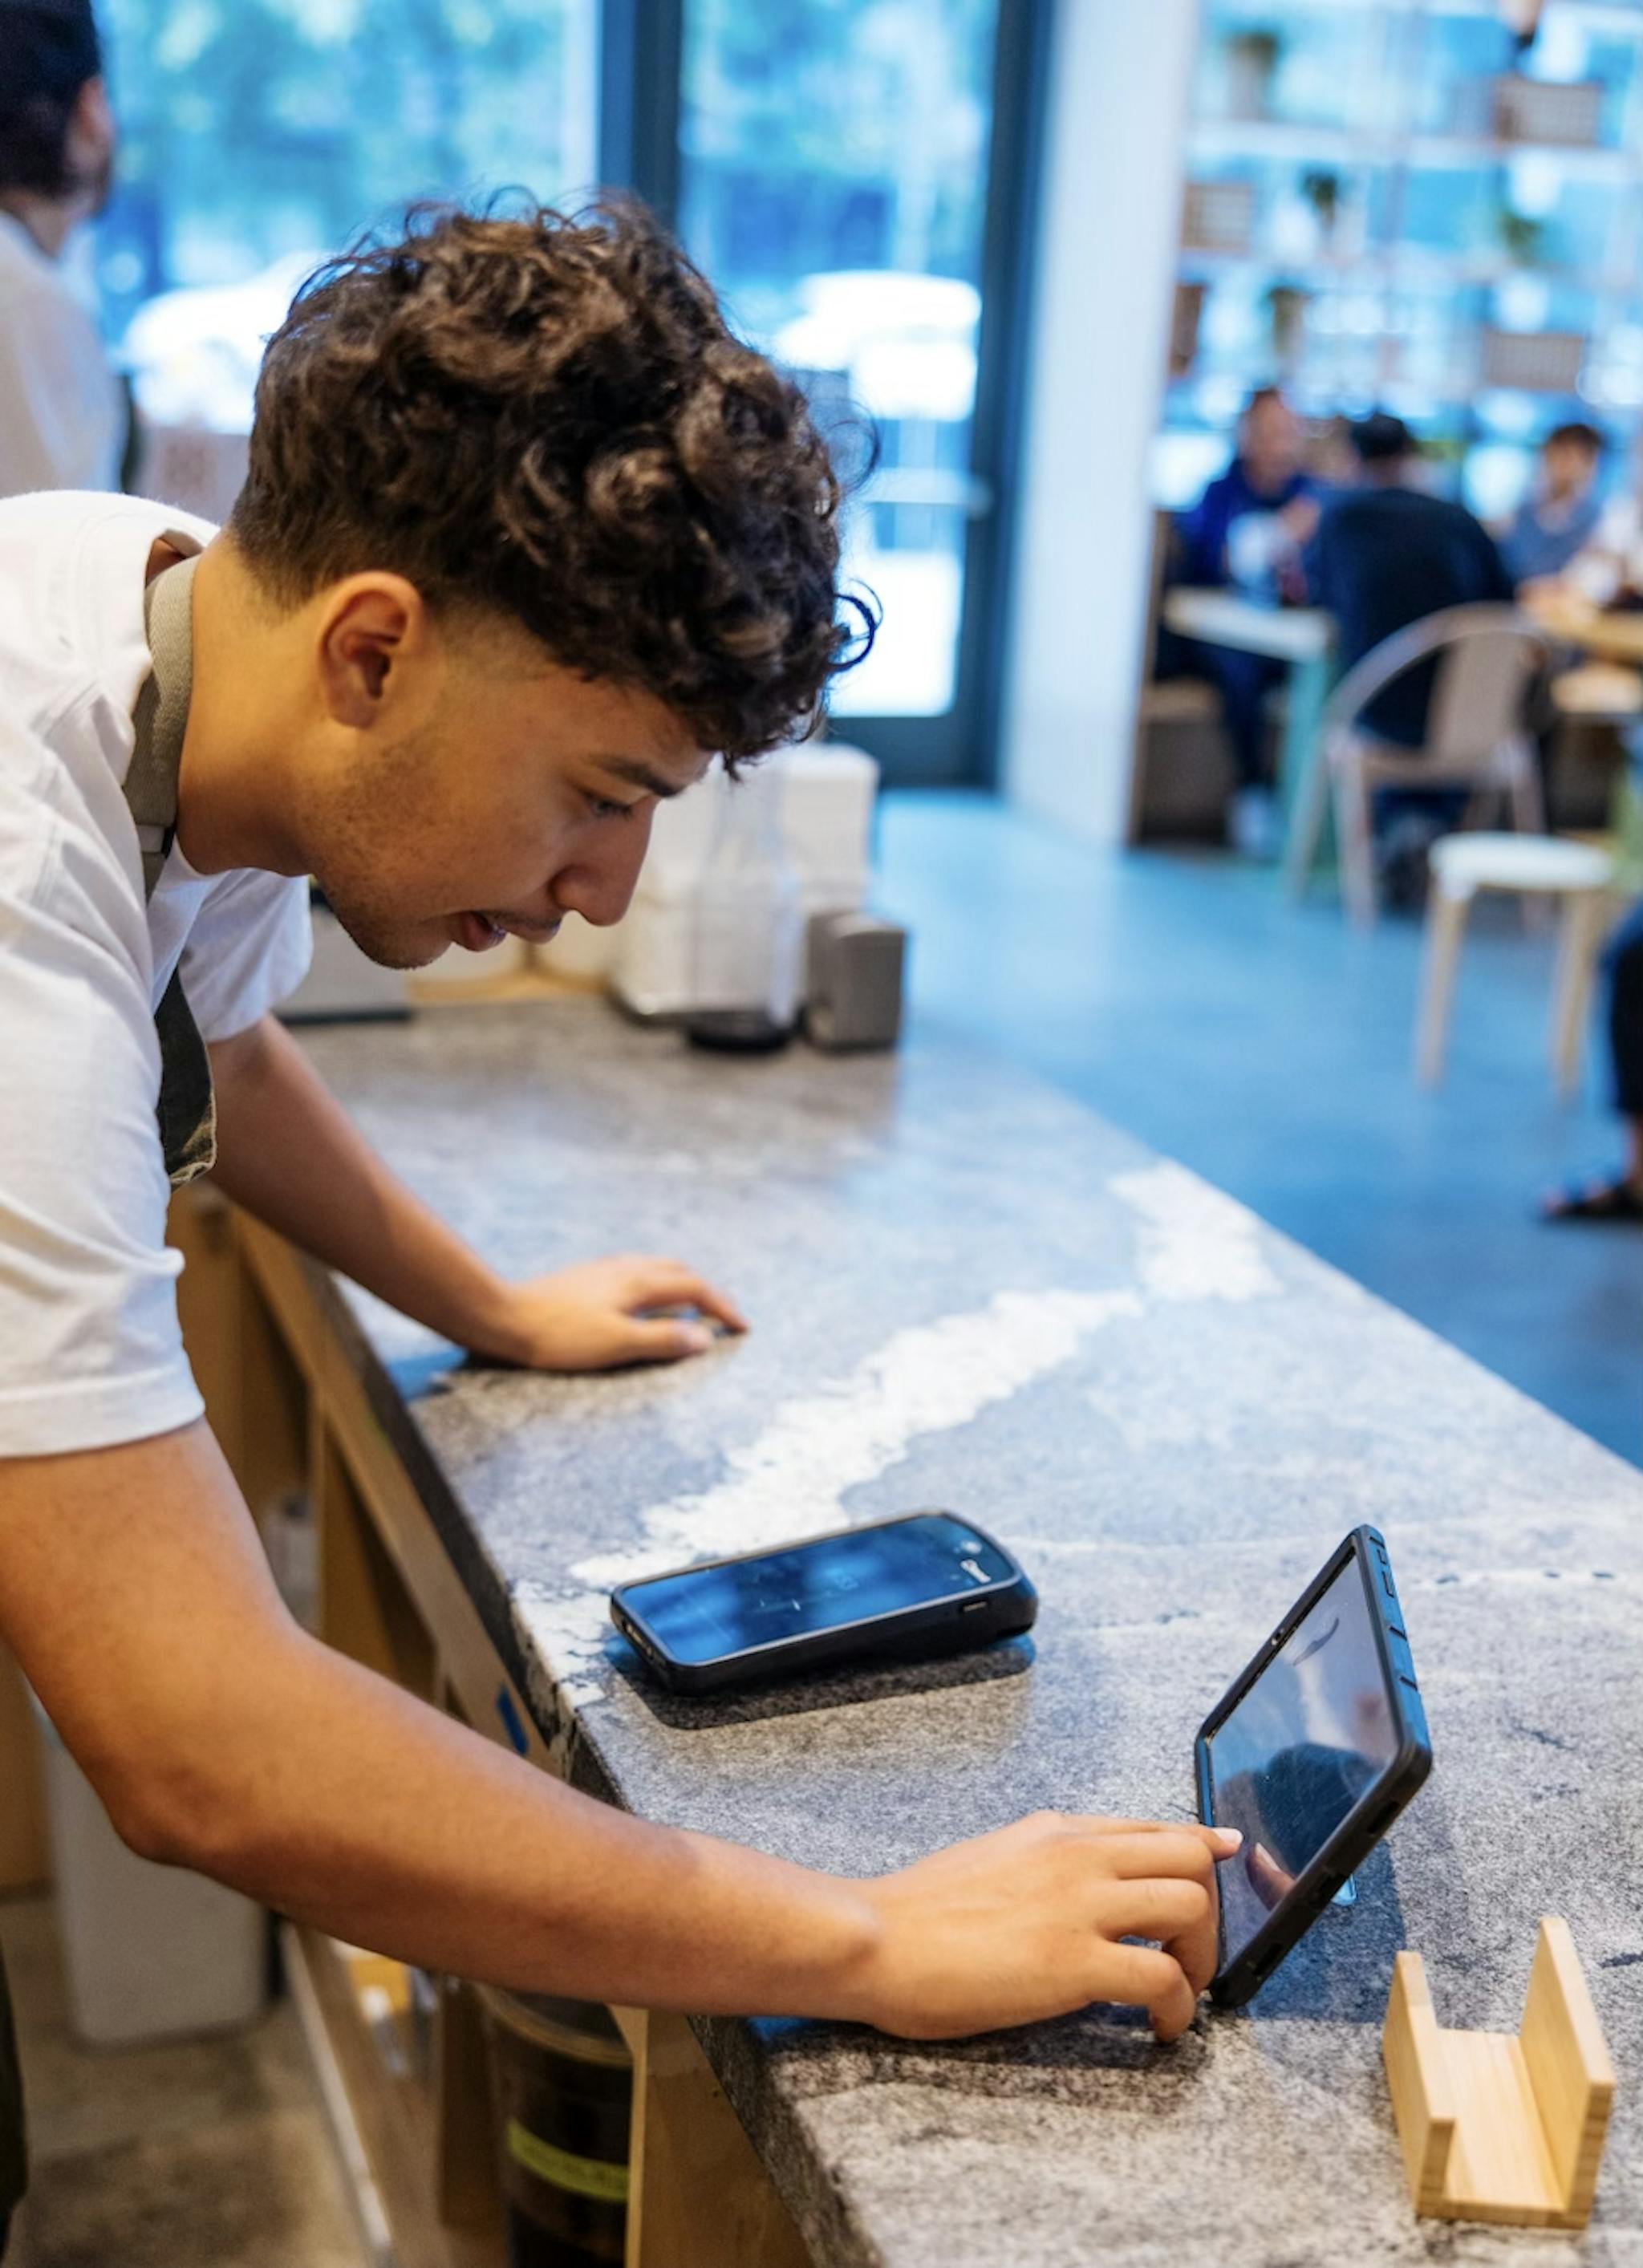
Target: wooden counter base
293,1417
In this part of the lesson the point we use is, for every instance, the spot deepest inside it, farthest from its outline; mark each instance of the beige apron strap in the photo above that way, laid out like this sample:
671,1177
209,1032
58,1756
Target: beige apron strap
14,2143
161,715
187,1109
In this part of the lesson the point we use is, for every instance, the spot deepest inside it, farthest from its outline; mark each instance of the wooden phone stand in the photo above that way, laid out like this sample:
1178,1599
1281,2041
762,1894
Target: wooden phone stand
1496,2127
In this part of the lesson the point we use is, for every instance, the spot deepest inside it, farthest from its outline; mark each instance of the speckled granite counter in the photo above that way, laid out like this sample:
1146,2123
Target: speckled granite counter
968,1291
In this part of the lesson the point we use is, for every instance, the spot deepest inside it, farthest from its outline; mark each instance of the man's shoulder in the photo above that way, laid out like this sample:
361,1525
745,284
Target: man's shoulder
1394,508
1225,488
73,515
71,572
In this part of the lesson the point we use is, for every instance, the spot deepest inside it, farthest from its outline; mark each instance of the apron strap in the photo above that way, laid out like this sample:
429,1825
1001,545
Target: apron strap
13,2147
187,1110
161,715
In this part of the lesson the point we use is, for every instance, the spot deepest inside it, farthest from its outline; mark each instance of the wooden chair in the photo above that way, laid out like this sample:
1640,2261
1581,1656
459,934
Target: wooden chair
1178,720
1486,657
1579,876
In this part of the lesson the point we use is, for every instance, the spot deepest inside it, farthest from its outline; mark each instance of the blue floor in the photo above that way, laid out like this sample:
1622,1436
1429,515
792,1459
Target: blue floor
1268,1047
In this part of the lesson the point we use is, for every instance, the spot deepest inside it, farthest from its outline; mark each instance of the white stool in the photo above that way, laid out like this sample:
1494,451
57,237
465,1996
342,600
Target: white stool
1538,865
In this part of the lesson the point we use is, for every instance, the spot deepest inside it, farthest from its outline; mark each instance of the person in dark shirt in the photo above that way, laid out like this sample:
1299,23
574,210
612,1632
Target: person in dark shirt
1388,554
1247,529
1265,479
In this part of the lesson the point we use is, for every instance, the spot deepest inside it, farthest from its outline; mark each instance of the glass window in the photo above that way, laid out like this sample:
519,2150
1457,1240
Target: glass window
833,176
258,135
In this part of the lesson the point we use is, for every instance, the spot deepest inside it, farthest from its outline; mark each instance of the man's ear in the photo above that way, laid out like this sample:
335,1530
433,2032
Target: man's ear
377,651
91,121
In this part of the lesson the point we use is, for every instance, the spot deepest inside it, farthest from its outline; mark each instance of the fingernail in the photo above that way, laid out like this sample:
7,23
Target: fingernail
695,1338
1230,1838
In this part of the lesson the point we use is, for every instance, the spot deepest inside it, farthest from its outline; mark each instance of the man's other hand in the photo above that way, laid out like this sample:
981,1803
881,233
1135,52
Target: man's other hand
607,1313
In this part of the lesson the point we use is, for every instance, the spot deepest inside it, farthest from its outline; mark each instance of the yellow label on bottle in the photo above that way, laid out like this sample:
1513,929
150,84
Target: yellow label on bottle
589,2178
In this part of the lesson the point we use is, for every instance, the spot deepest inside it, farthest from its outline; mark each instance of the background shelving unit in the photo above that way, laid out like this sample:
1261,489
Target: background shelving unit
1387,205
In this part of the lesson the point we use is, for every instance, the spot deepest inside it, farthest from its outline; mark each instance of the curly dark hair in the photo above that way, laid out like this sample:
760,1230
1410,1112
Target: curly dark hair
547,414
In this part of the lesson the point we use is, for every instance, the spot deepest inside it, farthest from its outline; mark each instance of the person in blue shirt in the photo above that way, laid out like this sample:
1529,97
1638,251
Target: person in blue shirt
1246,531
1559,516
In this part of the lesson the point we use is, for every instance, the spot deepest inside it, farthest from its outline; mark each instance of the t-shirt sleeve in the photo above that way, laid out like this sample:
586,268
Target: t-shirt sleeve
91,1353
248,950
60,424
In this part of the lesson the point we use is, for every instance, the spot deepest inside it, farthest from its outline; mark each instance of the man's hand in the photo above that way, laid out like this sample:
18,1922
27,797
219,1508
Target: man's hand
1028,1922
288,1153
608,1312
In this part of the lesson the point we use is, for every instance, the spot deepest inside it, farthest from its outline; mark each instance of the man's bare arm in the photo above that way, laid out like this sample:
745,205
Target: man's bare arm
133,1590
289,1155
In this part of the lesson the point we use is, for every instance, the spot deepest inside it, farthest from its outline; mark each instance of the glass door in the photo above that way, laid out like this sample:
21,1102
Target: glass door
849,176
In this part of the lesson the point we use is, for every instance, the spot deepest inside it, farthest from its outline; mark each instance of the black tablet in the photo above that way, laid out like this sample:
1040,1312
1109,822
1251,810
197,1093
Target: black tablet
1312,1752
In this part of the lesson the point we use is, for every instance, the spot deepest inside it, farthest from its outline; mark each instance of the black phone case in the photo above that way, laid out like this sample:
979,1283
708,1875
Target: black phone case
935,1627
1364,1826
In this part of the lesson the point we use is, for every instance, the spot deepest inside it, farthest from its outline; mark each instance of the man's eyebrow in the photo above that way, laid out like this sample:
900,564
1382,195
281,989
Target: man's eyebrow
637,773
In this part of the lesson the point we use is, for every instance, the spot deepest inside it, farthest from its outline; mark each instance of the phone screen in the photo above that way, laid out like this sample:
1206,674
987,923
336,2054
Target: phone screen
708,1612
1309,1739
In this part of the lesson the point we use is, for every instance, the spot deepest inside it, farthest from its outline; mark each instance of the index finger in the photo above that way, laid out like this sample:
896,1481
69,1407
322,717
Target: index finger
1166,1853
1219,1842
670,1280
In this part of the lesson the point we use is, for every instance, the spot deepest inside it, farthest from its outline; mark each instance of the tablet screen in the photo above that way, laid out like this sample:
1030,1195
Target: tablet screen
1309,1738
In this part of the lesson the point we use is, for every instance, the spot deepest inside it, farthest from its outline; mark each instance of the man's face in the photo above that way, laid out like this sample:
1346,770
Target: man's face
520,793
1568,467
1271,445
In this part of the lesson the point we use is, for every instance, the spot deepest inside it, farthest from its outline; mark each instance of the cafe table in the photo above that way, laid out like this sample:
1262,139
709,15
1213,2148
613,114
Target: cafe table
1302,637
1615,637
967,1291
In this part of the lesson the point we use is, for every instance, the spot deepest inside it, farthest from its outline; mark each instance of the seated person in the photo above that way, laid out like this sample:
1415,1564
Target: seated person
1608,568
1386,554
1247,530
1617,1196
1560,516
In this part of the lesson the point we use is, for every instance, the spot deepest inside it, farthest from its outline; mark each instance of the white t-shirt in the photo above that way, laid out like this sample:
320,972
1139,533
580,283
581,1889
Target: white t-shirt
62,417
89,1350
1613,559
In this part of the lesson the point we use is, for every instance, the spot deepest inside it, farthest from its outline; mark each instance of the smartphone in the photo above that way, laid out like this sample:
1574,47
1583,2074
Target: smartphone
928,1582
1312,1752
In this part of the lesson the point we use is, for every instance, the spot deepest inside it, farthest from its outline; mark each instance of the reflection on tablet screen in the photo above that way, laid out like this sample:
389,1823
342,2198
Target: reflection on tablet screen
1311,1736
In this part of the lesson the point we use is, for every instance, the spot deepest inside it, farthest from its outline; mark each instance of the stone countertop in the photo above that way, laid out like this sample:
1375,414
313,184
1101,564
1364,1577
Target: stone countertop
968,1290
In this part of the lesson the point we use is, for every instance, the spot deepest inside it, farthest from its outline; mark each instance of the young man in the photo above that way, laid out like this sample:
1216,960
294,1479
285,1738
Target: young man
62,414
1248,528
1559,518
527,535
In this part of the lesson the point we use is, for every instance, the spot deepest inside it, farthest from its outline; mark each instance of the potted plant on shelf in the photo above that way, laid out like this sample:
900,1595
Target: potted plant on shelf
1325,191
1286,305
1523,240
1252,60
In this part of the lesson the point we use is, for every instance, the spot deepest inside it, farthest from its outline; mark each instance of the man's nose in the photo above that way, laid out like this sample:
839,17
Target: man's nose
599,881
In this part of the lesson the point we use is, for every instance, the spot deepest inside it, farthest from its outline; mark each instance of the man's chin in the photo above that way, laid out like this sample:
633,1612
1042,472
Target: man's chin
390,945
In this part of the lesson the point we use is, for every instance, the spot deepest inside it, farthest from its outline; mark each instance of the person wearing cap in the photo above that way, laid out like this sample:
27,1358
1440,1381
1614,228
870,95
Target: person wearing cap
528,537
1388,553
62,412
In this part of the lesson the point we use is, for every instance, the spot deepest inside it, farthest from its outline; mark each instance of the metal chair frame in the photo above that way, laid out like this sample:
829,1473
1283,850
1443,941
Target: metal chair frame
1487,656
